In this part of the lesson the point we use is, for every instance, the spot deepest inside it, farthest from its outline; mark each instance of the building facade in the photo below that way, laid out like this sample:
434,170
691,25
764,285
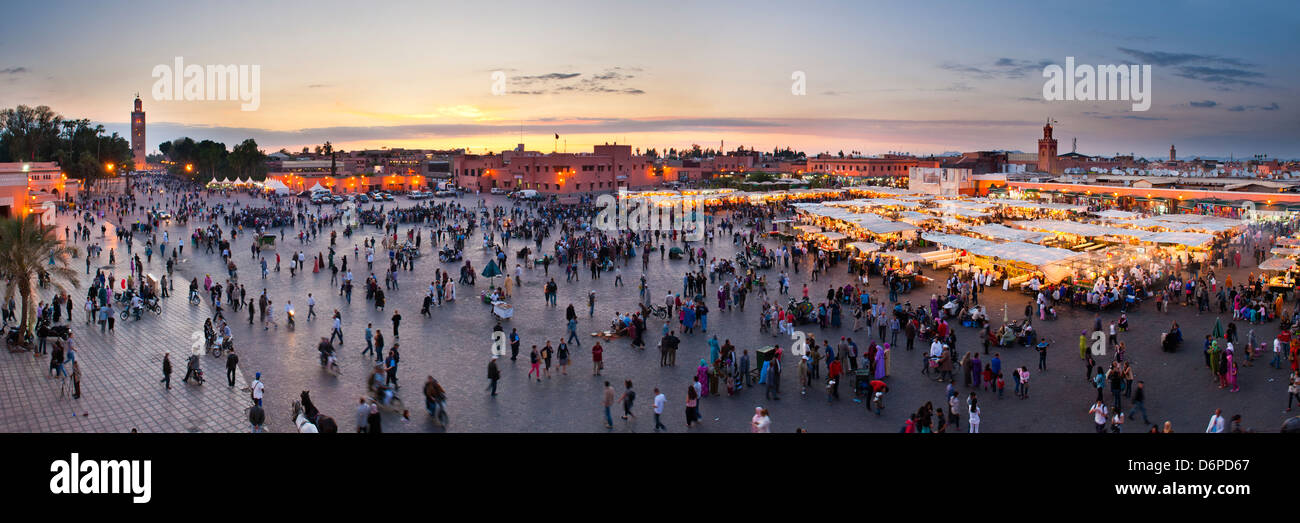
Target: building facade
607,168
887,166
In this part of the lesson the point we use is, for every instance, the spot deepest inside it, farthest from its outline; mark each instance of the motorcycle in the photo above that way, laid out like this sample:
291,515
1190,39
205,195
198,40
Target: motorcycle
18,340
290,322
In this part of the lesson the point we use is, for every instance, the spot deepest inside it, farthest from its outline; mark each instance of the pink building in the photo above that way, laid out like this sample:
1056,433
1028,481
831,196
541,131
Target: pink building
605,169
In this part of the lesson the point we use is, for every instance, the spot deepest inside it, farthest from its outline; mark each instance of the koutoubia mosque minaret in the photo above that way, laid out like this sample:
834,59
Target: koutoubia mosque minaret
137,134
1047,150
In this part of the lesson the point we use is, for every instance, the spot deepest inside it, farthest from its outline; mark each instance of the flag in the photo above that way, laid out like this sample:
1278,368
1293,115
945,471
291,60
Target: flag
557,136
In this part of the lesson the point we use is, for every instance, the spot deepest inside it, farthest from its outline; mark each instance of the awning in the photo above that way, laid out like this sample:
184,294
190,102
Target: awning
832,236
865,247
1190,239
1002,232
904,256
1277,264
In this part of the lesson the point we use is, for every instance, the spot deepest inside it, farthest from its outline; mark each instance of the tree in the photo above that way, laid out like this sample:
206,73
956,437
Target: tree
26,249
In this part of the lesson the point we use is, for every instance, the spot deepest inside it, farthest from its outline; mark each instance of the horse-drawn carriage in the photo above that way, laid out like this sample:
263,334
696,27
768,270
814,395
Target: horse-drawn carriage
447,254
804,311
753,261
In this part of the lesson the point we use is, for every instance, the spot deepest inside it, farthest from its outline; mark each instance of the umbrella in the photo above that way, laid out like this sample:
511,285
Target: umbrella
1218,329
491,271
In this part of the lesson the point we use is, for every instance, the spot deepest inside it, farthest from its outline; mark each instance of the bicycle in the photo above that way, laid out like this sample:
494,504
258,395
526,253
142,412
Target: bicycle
194,298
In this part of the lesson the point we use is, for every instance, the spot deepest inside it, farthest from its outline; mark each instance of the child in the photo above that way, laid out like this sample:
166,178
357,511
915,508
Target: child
731,384
988,376
1001,385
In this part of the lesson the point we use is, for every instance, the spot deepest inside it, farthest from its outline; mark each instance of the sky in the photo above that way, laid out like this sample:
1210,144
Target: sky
918,77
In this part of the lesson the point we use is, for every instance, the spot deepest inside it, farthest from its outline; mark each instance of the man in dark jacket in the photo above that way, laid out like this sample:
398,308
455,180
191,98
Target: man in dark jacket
232,362
493,374
167,370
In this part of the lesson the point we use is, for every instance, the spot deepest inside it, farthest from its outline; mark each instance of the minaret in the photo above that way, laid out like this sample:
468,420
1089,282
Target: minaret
1047,150
1173,154
137,134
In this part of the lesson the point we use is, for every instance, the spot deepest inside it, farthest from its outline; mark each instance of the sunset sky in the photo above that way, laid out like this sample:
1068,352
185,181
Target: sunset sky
922,77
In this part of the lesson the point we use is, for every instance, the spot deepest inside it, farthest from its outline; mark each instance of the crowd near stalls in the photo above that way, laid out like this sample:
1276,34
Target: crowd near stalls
933,256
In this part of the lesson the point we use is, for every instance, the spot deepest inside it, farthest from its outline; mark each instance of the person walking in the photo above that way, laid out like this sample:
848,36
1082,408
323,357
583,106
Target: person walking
608,402
338,327
1139,402
973,407
1216,422
363,416
659,402
258,389
232,363
628,398
493,374
167,370
1098,412
370,340
597,359
535,362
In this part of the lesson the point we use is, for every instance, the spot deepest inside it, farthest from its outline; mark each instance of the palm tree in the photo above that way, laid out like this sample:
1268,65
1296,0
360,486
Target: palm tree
27,249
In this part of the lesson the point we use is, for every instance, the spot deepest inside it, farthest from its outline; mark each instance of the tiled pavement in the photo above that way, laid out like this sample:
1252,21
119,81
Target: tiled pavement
121,370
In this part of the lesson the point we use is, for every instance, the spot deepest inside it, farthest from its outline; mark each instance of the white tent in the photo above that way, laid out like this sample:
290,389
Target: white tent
318,188
904,256
1190,239
1118,215
865,247
1002,232
276,186
1277,264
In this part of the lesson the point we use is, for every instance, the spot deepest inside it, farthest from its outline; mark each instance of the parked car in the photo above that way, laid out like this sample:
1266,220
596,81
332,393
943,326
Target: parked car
445,194
498,190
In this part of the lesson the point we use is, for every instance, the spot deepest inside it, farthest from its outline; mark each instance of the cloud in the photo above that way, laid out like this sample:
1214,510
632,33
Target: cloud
14,70
1000,68
1162,58
1212,69
544,78
1204,103
1101,116
1242,108
1219,75
317,86
609,81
